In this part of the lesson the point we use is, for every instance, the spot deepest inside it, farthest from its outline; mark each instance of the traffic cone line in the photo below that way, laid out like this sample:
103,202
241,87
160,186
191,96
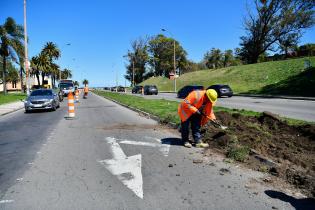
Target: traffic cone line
71,105
77,95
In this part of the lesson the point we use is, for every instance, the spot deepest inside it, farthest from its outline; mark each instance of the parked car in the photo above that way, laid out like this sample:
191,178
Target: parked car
184,92
45,99
113,89
150,90
222,90
121,89
137,89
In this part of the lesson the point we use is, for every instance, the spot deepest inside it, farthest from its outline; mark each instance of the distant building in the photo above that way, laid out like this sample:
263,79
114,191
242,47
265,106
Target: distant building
11,86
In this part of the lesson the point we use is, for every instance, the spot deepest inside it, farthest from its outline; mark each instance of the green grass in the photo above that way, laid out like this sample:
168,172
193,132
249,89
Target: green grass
286,77
11,97
167,110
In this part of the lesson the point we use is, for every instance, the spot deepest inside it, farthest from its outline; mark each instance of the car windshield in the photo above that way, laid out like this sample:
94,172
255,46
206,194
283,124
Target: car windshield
41,93
65,85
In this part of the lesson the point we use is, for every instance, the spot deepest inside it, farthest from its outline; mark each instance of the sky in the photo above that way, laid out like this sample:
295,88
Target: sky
94,35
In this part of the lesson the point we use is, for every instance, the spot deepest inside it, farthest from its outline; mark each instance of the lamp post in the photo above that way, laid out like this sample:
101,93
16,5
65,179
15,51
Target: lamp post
174,57
26,64
68,44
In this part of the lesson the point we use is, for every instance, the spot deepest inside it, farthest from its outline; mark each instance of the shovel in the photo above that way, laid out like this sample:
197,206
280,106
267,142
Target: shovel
216,123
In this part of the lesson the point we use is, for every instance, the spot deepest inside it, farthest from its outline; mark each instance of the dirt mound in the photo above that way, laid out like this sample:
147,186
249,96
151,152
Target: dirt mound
291,148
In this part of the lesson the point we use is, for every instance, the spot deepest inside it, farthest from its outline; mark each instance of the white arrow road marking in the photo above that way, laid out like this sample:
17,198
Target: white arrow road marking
164,148
6,201
127,169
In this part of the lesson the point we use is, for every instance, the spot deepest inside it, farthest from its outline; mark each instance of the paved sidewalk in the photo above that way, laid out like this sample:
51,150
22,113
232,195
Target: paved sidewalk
10,107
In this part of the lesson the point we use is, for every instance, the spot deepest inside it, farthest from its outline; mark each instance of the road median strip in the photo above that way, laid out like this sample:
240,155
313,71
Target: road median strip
273,140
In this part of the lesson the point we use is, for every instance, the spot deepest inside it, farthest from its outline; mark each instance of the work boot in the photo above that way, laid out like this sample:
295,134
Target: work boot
202,145
187,144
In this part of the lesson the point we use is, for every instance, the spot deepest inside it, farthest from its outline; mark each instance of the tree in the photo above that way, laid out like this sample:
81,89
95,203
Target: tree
76,83
66,73
161,50
39,66
273,21
288,43
228,58
52,53
213,58
85,82
11,36
43,64
138,58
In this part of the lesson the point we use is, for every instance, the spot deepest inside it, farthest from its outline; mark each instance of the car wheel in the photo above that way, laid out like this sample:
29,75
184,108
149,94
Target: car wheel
27,111
54,108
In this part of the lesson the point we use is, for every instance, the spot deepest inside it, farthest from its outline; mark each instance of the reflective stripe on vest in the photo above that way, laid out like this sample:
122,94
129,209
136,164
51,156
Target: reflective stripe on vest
183,112
197,97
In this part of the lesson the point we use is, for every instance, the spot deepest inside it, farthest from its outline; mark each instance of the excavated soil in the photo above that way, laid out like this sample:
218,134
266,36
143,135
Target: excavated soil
290,149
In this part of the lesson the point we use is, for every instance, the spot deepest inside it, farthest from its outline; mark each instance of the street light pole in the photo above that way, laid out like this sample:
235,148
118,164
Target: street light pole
174,57
26,64
174,68
133,72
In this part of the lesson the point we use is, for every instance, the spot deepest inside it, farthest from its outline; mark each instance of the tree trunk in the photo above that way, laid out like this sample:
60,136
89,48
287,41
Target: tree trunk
43,78
37,76
3,75
21,79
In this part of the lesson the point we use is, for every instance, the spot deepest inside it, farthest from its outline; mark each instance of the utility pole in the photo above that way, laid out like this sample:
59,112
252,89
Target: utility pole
26,65
174,67
174,57
133,72
116,81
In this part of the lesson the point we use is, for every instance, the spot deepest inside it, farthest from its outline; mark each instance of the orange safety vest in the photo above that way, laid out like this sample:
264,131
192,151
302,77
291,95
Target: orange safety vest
86,89
192,103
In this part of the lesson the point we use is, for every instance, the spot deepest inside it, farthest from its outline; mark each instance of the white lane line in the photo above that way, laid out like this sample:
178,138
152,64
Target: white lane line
165,145
6,201
127,169
164,148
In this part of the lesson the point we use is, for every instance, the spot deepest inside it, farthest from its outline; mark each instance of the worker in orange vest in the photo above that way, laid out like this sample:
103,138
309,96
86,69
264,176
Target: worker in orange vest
197,110
86,91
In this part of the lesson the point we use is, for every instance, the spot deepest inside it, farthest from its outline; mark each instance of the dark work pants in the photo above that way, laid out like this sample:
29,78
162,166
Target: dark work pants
195,121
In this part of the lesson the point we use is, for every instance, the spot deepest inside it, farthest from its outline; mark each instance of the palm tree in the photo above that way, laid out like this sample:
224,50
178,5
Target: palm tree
11,36
41,65
66,73
51,50
85,82
52,53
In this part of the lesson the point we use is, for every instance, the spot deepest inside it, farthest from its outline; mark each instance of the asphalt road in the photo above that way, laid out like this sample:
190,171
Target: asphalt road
296,109
109,157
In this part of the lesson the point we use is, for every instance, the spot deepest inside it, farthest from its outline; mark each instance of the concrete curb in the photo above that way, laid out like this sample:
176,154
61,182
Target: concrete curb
11,111
276,96
148,115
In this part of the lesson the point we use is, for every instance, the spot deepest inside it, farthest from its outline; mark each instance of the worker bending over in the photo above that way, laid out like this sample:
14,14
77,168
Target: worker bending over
197,109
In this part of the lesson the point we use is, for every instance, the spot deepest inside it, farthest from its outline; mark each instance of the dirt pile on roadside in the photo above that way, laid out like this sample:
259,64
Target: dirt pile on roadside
289,150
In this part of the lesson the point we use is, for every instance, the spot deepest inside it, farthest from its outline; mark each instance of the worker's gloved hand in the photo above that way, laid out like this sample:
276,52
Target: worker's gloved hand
198,112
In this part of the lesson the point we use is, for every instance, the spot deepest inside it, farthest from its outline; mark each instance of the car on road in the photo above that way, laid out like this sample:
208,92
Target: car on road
137,89
44,99
222,90
184,92
121,89
66,86
150,90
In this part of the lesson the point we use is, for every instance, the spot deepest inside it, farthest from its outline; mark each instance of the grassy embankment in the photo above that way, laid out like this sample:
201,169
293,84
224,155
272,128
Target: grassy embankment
167,110
286,77
11,97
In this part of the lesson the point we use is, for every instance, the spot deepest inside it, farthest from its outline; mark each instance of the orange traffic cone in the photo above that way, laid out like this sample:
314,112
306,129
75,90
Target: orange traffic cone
77,96
71,105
